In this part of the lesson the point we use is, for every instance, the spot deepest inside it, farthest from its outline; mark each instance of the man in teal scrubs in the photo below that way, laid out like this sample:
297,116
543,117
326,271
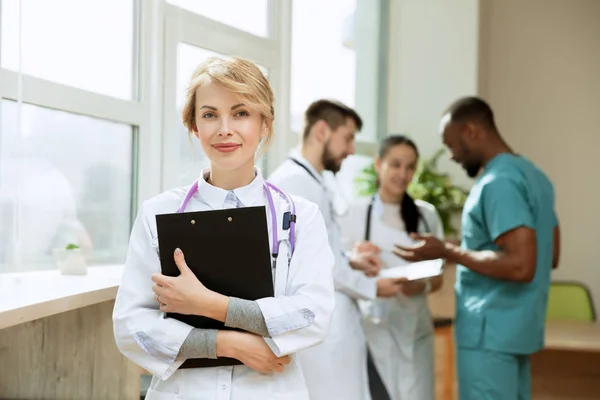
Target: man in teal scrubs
510,243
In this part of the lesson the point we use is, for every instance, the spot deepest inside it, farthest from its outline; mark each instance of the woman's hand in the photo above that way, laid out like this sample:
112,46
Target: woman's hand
365,257
185,294
366,246
250,349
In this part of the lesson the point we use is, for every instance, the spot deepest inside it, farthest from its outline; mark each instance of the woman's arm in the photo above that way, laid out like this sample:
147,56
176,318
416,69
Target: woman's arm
246,315
200,343
141,332
289,323
248,348
185,294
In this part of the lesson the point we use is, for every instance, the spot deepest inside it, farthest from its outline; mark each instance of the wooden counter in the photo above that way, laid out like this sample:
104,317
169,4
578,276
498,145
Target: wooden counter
56,337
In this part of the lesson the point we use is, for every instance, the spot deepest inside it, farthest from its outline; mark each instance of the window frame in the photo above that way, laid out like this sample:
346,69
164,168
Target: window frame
157,29
57,96
136,112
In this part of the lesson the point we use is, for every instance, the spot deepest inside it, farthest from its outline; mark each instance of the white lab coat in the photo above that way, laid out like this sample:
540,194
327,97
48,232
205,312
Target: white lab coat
153,342
336,369
402,342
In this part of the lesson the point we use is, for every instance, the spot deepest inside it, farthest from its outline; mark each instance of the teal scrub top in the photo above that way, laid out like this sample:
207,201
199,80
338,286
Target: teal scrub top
495,314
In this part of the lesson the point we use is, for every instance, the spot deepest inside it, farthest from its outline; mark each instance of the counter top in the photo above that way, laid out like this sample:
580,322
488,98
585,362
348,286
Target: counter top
28,296
573,335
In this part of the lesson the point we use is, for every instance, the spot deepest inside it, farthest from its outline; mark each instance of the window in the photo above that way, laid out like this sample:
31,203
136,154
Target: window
70,124
84,44
343,59
64,178
250,16
340,60
323,64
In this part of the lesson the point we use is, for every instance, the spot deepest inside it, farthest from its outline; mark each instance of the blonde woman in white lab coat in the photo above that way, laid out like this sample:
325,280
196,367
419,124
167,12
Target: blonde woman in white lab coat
399,330
229,109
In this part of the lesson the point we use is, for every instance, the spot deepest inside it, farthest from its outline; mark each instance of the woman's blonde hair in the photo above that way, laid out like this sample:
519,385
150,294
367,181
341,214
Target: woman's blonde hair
239,76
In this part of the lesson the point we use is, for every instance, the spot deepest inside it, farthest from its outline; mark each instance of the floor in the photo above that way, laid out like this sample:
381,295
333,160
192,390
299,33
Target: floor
446,387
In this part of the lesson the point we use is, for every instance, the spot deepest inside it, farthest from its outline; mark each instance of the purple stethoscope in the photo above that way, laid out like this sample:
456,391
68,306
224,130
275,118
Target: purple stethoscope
289,218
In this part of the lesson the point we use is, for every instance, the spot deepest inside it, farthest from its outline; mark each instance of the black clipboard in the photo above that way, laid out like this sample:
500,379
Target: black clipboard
228,250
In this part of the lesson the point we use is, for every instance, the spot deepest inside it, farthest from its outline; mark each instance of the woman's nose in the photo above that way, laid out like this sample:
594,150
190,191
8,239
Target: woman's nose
225,129
401,174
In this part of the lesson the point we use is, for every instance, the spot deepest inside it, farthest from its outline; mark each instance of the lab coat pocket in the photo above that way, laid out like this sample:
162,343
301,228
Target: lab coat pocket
165,390
155,395
290,384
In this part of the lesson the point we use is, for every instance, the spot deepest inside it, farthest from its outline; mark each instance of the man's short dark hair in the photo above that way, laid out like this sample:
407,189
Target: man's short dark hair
333,112
472,109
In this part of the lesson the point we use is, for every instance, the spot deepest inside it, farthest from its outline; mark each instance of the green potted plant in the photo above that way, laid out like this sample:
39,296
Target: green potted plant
71,260
428,185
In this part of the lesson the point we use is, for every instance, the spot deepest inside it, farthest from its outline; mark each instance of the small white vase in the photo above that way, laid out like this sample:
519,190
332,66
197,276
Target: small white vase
70,262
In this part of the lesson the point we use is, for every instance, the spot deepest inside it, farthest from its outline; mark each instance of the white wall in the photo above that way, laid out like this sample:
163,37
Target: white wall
433,60
540,69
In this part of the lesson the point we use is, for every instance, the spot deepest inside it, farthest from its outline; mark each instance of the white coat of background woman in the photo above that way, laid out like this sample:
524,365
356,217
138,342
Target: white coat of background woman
399,330
229,109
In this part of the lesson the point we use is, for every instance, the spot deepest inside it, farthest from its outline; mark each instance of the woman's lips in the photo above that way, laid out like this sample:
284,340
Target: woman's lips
226,147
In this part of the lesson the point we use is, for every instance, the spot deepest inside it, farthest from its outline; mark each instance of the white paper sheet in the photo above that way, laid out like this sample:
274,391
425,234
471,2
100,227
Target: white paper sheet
414,271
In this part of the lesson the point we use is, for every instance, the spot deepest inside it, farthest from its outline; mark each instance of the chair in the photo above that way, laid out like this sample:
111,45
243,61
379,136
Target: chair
570,301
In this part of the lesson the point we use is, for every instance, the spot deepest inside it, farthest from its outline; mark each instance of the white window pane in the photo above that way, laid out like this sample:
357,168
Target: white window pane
86,44
64,178
322,55
189,154
248,15
188,59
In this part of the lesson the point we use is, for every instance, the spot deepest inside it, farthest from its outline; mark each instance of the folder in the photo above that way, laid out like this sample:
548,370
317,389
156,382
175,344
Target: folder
228,250
414,271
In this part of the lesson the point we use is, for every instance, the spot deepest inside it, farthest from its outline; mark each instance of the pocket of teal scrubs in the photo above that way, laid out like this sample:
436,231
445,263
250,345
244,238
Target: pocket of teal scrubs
468,330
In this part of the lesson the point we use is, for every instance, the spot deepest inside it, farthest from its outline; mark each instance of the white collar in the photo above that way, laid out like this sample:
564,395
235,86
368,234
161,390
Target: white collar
298,157
378,205
251,194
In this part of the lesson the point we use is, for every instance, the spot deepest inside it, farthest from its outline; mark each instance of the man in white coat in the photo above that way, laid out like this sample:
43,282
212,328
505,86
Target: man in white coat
337,368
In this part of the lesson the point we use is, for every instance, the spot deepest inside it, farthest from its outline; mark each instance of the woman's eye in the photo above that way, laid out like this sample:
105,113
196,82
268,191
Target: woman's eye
208,115
242,114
